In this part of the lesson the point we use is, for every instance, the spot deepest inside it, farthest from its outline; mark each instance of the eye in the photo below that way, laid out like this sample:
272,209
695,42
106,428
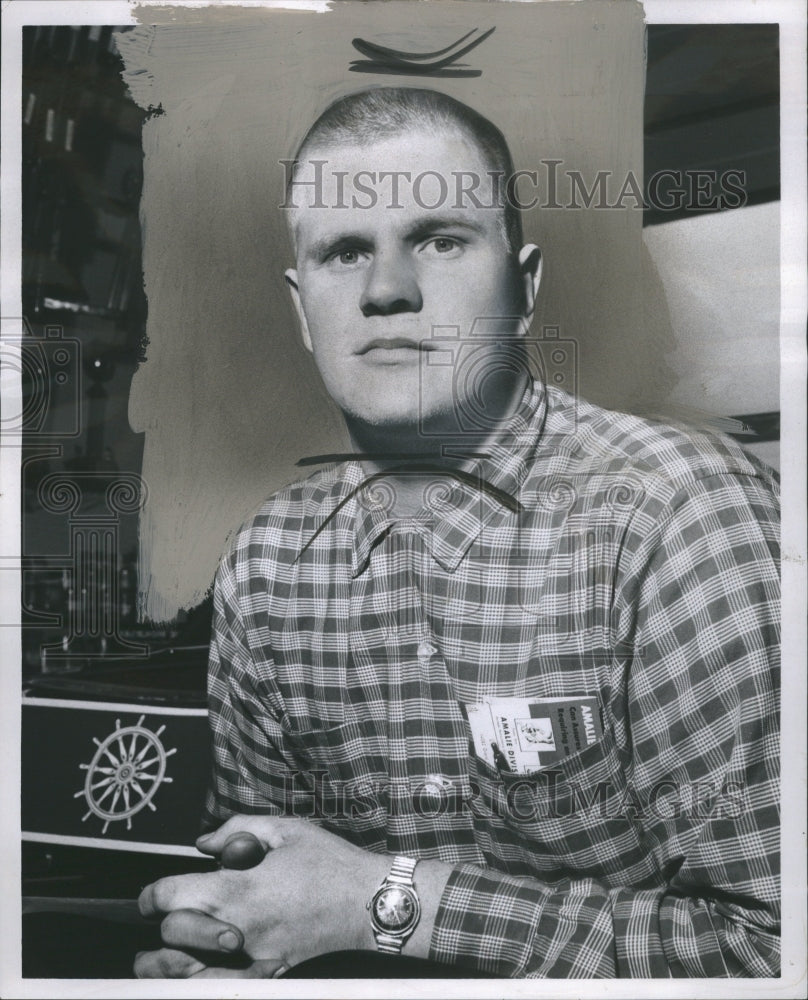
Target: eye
443,245
348,257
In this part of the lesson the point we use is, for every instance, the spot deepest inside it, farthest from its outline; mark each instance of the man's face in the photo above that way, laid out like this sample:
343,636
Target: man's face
373,283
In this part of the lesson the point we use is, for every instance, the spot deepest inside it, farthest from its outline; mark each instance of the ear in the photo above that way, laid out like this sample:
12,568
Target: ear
530,263
290,277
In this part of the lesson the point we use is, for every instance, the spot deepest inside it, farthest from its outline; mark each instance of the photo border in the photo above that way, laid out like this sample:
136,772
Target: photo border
791,16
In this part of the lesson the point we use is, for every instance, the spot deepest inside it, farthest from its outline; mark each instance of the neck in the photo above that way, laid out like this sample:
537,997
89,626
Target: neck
442,440
426,450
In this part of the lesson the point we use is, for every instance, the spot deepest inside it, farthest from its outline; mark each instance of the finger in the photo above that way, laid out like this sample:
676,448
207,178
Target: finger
166,963
268,968
177,892
146,902
197,931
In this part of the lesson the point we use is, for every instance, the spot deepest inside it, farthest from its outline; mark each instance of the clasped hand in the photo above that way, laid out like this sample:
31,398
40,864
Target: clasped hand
307,897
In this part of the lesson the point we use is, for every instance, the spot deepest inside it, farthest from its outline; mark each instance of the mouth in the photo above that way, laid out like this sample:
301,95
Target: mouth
395,345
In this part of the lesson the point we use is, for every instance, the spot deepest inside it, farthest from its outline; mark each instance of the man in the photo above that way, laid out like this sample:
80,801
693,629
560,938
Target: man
498,560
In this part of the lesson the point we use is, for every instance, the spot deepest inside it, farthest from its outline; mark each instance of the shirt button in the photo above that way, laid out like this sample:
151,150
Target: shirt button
435,785
426,650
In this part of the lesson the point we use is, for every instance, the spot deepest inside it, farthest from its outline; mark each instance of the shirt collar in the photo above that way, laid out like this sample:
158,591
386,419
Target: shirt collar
457,510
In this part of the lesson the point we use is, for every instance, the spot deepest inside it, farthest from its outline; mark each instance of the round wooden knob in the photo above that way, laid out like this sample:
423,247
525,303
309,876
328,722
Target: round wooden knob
242,850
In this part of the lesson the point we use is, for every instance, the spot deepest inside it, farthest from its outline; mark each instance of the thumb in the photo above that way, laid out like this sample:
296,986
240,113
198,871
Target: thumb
265,968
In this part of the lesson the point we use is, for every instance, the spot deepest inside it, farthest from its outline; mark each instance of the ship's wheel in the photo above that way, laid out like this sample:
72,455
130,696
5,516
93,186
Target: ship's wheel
126,771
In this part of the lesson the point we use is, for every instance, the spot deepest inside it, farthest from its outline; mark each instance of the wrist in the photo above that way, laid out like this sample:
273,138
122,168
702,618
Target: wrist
430,880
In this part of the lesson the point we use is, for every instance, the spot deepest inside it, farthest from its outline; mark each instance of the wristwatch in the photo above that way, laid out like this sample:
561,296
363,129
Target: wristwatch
395,908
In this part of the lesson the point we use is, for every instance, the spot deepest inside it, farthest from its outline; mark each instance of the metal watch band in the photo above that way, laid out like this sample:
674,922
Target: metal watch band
388,944
402,870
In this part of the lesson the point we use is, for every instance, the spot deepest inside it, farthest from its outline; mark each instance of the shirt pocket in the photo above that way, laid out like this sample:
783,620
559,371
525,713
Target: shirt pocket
573,819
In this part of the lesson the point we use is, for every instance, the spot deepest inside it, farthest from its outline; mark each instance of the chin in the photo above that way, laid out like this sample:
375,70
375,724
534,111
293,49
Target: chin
403,425
405,419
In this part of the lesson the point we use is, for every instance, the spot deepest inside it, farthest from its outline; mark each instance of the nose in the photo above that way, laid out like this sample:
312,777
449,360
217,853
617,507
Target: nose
391,287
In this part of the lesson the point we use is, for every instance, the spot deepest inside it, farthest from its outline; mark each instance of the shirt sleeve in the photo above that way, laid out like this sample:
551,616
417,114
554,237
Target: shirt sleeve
696,636
249,774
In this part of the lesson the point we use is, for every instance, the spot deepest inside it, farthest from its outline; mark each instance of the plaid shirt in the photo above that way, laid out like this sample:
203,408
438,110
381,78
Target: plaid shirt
640,569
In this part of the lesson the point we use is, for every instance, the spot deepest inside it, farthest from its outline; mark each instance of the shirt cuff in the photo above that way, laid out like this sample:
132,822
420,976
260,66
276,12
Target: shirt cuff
487,921
508,925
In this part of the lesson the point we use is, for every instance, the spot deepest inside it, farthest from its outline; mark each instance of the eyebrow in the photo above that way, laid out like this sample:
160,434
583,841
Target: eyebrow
329,245
436,223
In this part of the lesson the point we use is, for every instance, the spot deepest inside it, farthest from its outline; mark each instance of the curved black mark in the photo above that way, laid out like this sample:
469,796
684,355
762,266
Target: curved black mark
505,498
442,62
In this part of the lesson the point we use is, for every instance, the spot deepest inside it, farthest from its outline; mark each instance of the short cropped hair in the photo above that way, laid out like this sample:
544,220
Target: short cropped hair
382,112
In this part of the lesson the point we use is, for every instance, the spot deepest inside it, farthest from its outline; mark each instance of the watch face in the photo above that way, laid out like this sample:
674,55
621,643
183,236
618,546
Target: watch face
394,908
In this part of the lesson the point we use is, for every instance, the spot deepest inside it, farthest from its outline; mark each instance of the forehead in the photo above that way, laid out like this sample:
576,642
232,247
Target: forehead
392,183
